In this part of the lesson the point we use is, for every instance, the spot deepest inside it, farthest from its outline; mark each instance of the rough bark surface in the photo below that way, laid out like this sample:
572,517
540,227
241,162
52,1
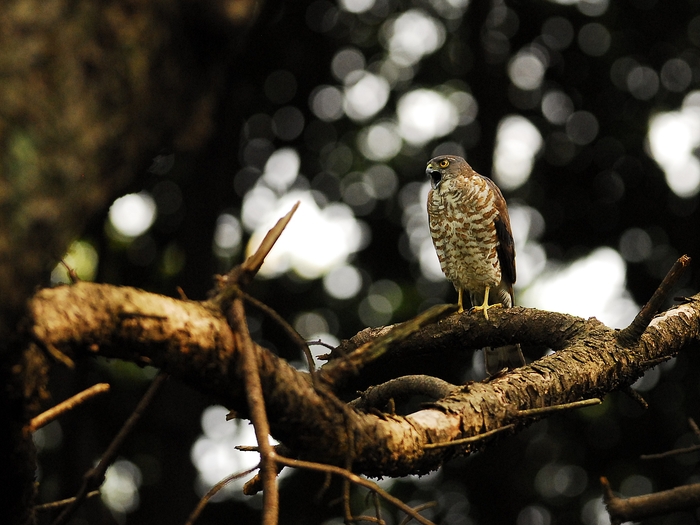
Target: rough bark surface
193,342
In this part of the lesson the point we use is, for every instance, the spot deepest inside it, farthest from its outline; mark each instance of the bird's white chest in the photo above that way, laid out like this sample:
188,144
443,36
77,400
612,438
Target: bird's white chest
462,225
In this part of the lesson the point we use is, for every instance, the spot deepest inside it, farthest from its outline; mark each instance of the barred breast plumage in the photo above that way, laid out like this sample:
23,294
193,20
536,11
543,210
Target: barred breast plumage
471,232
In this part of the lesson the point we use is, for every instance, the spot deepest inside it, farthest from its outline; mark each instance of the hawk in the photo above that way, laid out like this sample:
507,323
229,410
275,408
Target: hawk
471,232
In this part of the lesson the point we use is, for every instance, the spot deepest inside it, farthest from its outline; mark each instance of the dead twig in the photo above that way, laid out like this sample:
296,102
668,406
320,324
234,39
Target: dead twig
357,480
212,492
335,372
418,508
52,413
671,453
230,292
94,477
541,411
630,335
62,503
287,328
677,451
258,415
635,396
638,508
470,439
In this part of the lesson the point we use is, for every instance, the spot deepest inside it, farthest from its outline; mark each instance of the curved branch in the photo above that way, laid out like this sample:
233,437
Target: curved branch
192,342
402,388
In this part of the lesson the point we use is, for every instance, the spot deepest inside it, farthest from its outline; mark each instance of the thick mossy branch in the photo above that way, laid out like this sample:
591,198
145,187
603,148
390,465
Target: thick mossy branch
193,342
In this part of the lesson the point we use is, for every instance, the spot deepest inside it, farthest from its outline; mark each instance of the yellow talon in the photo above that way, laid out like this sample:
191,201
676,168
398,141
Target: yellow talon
485,306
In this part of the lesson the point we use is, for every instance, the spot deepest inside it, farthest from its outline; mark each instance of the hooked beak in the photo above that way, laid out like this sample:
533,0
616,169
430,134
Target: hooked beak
435,176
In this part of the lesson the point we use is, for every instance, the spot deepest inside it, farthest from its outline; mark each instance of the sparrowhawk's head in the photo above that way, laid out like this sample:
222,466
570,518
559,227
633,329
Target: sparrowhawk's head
445,167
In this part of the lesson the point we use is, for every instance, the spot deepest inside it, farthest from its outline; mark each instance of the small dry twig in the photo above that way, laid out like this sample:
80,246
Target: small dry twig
470,439
630,335
231,291
62,503
64,406
677,451
637,508
335,372
212,492
354,478
541,411
95,476
258,415
293,335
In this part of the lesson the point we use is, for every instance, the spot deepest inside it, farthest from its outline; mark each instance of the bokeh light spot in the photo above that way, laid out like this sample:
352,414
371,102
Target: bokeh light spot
425,114
327,103
227,235
358,194
257,151
676,75
642,82
557,33
594,39
82,258
534,515
593,7
382,179
365,95
356,6
315,241
673,138
281,169
620,70
343,282
48,437
132,215
380,141
594,512
346,61
288,123
595,287
635,245
560,480
582,127
557,106
526,70
466,105
120,490
412,35
214,454
636,485
308,324
517,143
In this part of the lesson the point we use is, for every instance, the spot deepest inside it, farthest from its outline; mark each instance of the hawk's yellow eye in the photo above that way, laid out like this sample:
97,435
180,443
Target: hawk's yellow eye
444,163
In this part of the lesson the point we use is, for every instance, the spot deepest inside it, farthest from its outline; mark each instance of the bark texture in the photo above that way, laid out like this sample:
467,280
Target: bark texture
193,342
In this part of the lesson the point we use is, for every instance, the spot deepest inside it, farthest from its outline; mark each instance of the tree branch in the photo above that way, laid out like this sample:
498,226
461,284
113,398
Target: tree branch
621,510
193,343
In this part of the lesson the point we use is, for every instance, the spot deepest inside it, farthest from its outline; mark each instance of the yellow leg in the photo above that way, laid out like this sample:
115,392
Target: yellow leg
459,301
485,306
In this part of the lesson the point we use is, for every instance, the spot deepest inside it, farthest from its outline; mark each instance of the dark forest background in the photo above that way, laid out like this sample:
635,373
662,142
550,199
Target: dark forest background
251,72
